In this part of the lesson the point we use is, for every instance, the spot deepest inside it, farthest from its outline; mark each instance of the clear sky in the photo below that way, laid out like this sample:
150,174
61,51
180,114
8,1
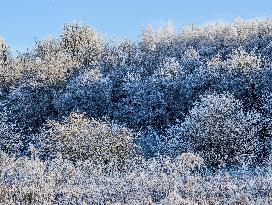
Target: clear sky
23,21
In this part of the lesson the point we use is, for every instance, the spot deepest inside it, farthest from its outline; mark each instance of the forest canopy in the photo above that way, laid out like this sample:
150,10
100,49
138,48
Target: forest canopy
201,97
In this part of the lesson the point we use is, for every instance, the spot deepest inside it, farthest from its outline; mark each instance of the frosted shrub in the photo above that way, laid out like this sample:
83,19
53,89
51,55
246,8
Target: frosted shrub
216,67
30,180
81,138
220,130
188,161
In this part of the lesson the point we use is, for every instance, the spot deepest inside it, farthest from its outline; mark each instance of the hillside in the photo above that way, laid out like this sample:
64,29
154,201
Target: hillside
173,118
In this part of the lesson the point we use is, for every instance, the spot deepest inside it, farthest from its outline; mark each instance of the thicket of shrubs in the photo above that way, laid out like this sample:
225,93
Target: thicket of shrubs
159,120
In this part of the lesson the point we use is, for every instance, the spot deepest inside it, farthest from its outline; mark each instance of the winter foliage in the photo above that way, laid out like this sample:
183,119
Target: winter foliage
173,118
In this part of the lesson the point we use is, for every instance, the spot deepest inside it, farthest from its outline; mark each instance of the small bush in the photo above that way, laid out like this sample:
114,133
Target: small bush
80,138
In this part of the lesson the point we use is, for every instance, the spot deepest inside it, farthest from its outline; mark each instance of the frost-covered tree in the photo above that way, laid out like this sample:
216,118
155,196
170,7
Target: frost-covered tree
166,32
82,42
170,68
144,103
47,47
90,93
242,77
219,129
191,60
120,53
5,62
5,54
241,61
148,39
46,64
30,106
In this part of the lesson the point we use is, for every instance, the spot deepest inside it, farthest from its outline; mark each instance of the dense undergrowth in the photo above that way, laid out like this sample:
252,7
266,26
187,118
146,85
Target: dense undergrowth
174,118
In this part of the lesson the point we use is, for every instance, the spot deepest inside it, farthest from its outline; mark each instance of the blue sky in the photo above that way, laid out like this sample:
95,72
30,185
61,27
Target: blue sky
23,21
